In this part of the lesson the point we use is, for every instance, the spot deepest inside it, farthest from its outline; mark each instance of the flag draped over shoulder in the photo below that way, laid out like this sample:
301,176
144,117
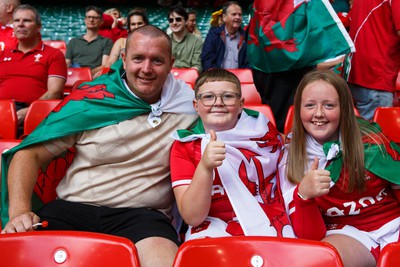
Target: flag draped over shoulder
289,34
252,152
381,156
102,102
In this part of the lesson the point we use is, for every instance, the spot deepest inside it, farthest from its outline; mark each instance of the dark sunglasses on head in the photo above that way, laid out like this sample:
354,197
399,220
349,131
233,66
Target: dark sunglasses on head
178,19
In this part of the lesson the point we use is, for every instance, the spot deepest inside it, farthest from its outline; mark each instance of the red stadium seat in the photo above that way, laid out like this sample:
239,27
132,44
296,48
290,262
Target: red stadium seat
66,248
104,70
59,44
76,74
289,120
244,75
388,119
263,251
187,75
264,109
6,144
8,119
390,255
250,94
37,111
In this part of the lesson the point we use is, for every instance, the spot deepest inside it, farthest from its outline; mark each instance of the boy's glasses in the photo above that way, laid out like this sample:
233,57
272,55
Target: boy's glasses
209,99
177,19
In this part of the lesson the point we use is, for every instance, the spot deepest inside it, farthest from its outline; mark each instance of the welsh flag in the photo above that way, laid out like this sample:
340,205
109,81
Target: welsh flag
291,34
381,155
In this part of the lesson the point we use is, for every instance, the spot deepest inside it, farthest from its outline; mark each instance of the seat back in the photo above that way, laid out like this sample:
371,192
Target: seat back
388,119
289,120
6,144
76,74
37,111
58,44
185,74
250,94
244,75
264,109
104,70
256,251
8,119
390,255
67,249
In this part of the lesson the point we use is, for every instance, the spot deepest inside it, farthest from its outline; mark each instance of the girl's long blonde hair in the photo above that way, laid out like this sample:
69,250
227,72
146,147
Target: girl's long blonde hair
351,134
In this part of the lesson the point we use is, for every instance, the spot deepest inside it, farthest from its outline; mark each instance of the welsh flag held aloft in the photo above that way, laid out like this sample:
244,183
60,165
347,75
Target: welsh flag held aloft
291,34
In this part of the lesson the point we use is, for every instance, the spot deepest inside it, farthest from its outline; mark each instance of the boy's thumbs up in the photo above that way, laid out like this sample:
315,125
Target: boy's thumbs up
213,135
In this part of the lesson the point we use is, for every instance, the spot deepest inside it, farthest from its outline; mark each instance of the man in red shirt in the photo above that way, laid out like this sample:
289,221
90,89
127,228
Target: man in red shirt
375,30
30,70
7,38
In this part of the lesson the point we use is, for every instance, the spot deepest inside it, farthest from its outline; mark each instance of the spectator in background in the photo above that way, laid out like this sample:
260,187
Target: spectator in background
91,49
192,24
225,46
186,48
113,25
137,17
119,180
375,30
30,70
7,38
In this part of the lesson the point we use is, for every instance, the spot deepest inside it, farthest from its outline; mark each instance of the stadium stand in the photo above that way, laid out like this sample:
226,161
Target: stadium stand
64,22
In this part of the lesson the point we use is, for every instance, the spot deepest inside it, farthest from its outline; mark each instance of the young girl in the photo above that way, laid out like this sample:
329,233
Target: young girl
342,181
224,170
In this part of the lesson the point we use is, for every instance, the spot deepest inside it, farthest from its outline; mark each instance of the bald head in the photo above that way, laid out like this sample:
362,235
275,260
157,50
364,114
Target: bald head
150,31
